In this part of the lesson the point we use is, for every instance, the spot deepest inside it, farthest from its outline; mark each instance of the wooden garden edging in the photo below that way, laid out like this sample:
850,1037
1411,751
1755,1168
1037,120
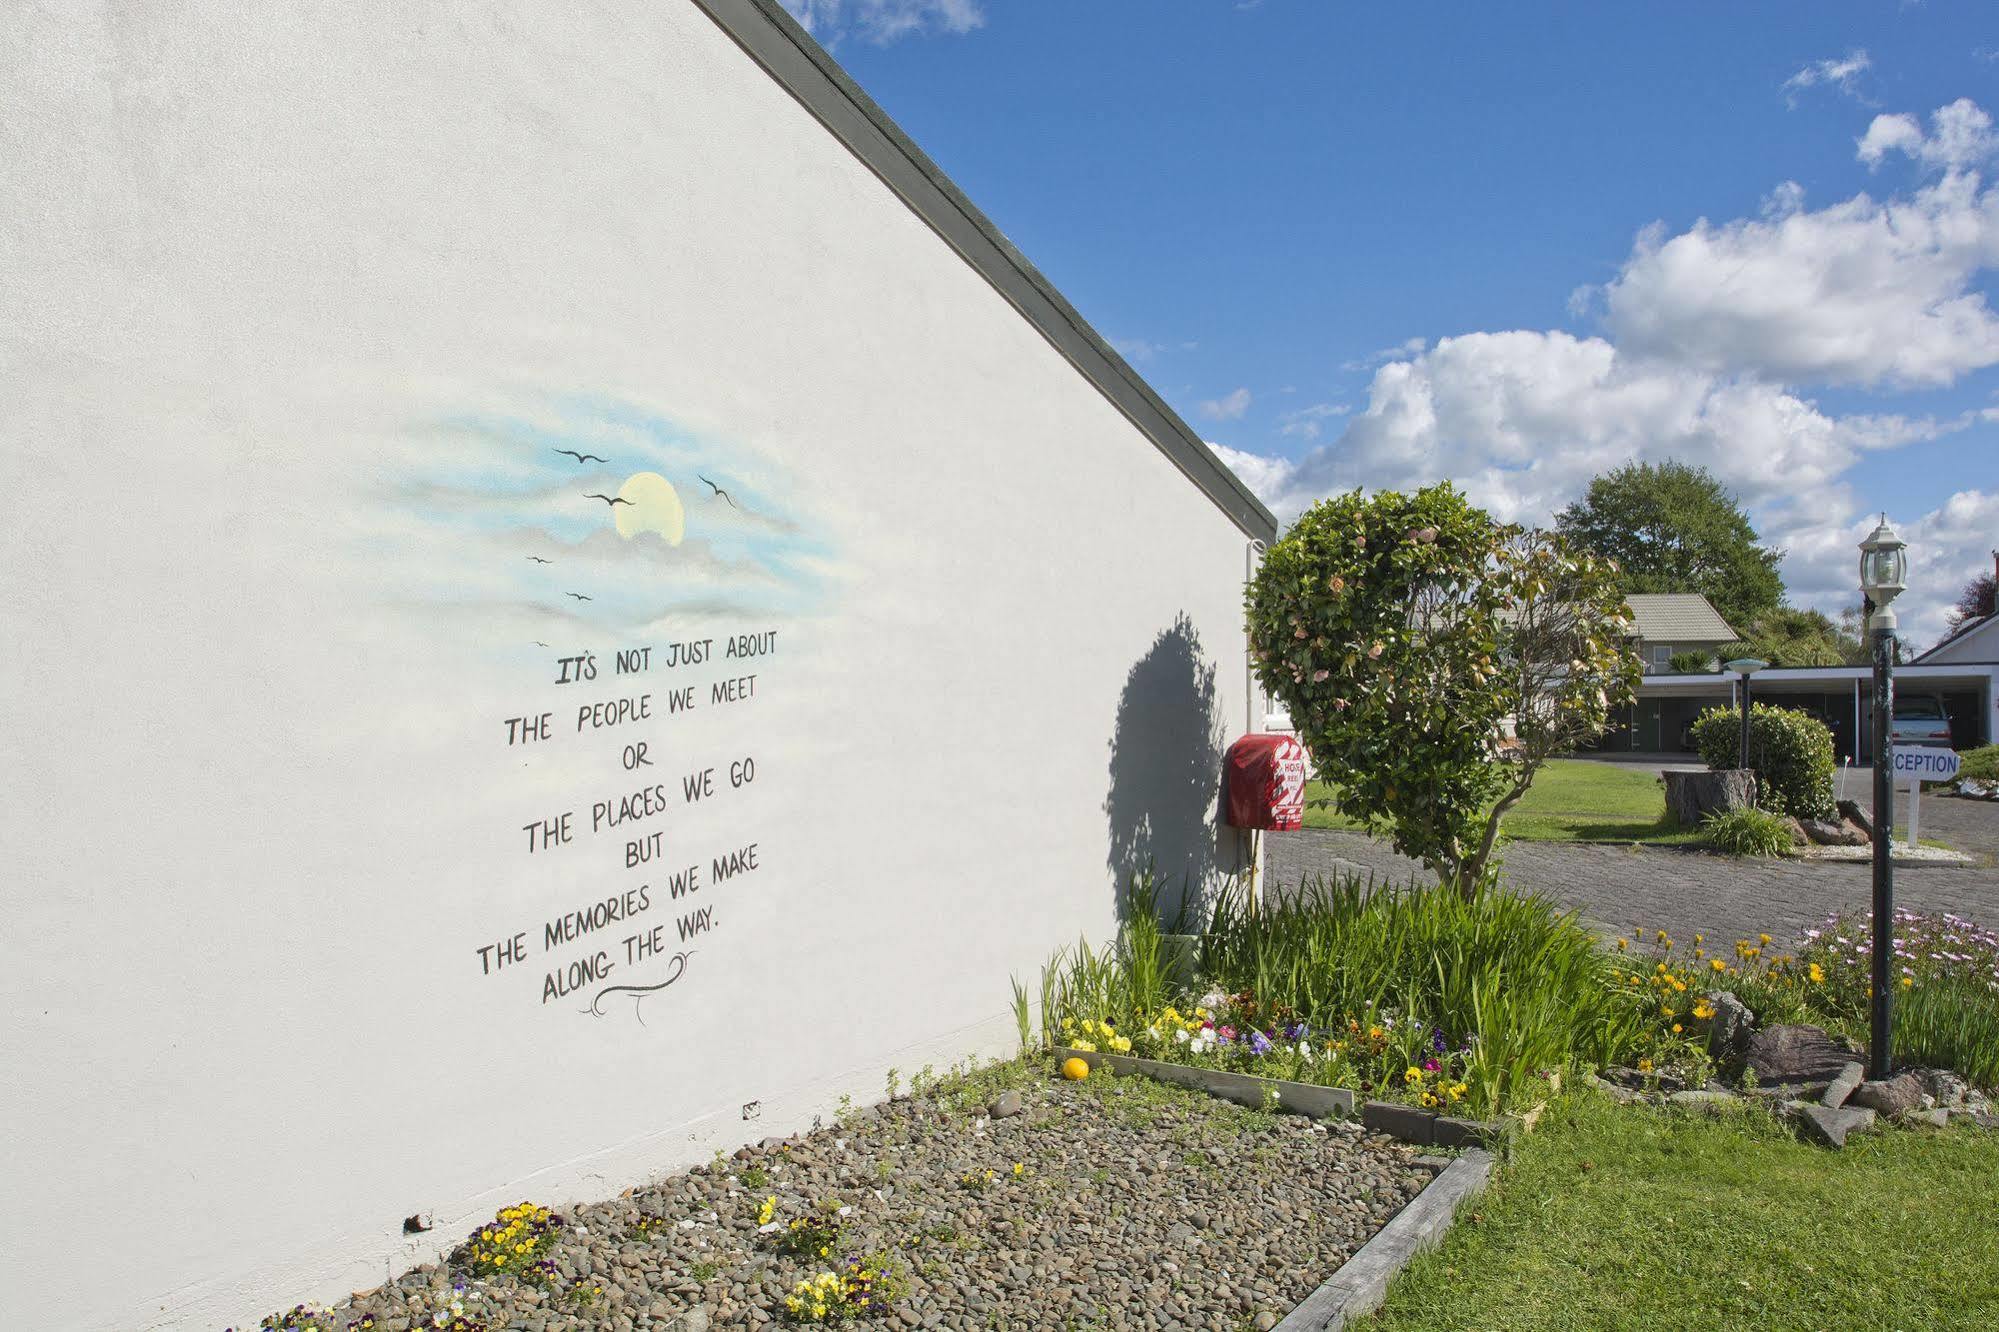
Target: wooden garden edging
1409,1123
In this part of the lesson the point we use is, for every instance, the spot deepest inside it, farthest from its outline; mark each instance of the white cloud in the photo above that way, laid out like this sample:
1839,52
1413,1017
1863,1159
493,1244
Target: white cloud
1265,476
1860,292
1948,547
1228,407
885,21
1306,422
1712,337
1522,420
1841,73
1960,136
1400,351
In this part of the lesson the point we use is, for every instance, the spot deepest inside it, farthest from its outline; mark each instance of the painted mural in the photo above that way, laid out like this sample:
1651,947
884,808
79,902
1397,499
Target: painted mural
636,586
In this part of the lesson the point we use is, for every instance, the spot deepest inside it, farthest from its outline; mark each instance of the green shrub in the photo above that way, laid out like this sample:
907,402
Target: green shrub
1747,832
1790,752
1692,663
1980,765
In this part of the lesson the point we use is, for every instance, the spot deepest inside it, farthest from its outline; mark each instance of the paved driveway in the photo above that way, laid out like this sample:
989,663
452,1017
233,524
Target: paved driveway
1684,891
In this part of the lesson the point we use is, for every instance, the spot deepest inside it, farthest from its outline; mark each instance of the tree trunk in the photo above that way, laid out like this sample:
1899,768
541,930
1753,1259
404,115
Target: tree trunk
1690,796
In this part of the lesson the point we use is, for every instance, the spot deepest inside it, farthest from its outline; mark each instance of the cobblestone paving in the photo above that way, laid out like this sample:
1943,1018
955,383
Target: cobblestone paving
1684,891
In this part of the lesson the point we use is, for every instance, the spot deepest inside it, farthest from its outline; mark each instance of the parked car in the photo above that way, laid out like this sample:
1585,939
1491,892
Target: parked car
1920,719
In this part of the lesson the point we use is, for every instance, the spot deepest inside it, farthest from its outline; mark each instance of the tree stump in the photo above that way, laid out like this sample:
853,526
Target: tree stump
1691,796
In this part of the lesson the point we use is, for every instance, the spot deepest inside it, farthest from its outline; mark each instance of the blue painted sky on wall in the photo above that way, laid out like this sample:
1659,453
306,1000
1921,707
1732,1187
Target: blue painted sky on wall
1512,245
591,518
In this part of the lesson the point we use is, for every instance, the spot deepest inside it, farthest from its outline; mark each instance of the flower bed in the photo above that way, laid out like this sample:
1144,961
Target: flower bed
1464,1007
1946,978
1421,995
1005,1199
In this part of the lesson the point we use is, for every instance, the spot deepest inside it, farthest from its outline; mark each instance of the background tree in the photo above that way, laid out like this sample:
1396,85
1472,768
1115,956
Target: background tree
1979,599
1403,631
1787,636
1673,528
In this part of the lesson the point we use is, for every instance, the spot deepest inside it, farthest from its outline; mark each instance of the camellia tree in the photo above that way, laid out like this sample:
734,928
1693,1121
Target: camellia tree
1405,632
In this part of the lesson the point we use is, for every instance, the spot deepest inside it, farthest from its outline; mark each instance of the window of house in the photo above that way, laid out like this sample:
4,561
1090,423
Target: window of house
1662,657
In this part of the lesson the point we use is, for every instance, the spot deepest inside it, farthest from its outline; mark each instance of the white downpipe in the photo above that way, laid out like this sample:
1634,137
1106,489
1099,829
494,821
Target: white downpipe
1252,557
1249,847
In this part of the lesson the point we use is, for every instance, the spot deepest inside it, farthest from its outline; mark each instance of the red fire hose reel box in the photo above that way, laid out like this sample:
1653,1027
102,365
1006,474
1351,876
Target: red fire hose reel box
1263,783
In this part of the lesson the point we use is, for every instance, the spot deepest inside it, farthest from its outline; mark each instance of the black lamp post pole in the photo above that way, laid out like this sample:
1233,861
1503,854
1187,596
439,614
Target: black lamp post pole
1742,746
1880,1045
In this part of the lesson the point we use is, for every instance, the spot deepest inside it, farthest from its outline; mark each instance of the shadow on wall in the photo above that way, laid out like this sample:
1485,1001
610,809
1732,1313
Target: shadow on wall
1165,772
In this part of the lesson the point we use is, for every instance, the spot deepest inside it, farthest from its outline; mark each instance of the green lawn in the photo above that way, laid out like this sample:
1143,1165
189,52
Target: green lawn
1570,801
1614,1218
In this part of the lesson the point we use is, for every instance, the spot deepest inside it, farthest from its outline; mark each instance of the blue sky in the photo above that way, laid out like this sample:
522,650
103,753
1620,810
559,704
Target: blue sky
1512,245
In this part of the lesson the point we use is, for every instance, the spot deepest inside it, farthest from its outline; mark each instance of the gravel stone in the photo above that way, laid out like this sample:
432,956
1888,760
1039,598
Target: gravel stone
1137,1206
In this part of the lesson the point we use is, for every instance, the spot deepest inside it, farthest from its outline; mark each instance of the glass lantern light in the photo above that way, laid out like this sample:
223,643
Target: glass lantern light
1884,571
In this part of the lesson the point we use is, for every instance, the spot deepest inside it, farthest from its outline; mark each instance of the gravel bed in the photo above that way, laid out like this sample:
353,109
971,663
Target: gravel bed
1136,1206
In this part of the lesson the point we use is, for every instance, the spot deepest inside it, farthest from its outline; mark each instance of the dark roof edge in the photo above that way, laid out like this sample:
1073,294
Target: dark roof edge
773,39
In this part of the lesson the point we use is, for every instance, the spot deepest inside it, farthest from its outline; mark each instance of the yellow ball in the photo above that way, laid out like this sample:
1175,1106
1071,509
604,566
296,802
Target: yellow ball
1075,1069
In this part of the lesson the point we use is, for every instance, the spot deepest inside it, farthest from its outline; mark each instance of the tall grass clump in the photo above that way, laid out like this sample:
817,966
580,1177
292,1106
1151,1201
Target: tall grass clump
1121,982
1747,832
1512,976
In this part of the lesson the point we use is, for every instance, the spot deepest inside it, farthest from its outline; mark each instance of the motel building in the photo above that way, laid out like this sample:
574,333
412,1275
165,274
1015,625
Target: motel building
1960,674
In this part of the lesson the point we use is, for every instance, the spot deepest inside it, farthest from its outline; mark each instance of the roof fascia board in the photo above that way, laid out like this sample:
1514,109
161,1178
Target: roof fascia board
1809,674
772,38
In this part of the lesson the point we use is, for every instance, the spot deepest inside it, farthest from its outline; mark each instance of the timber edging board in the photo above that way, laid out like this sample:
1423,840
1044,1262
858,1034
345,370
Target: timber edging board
1361,1284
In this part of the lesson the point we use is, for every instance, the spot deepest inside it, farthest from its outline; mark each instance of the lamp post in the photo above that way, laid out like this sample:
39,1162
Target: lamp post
1884,568
1745,667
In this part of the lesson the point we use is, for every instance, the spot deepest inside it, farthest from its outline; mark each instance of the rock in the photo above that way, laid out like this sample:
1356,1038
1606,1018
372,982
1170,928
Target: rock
1928,1118
1005,1106
1702,1096
1890,1096
1799,837
1831,1126
1794,1054
1631,1079
1842,1086
1733,1024
1825,832
1947,1088
1785,1092
1851,811
1985,1119
1265,1321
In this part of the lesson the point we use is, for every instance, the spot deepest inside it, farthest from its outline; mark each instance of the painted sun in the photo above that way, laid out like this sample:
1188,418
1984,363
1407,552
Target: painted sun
654,506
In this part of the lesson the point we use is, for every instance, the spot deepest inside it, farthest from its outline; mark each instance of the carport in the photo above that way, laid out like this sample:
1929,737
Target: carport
1840,696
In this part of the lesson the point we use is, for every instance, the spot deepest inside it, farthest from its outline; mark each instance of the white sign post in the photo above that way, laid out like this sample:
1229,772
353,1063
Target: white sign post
1918,764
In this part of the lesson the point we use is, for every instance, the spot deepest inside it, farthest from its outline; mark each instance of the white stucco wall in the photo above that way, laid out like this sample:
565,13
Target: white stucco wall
295,309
